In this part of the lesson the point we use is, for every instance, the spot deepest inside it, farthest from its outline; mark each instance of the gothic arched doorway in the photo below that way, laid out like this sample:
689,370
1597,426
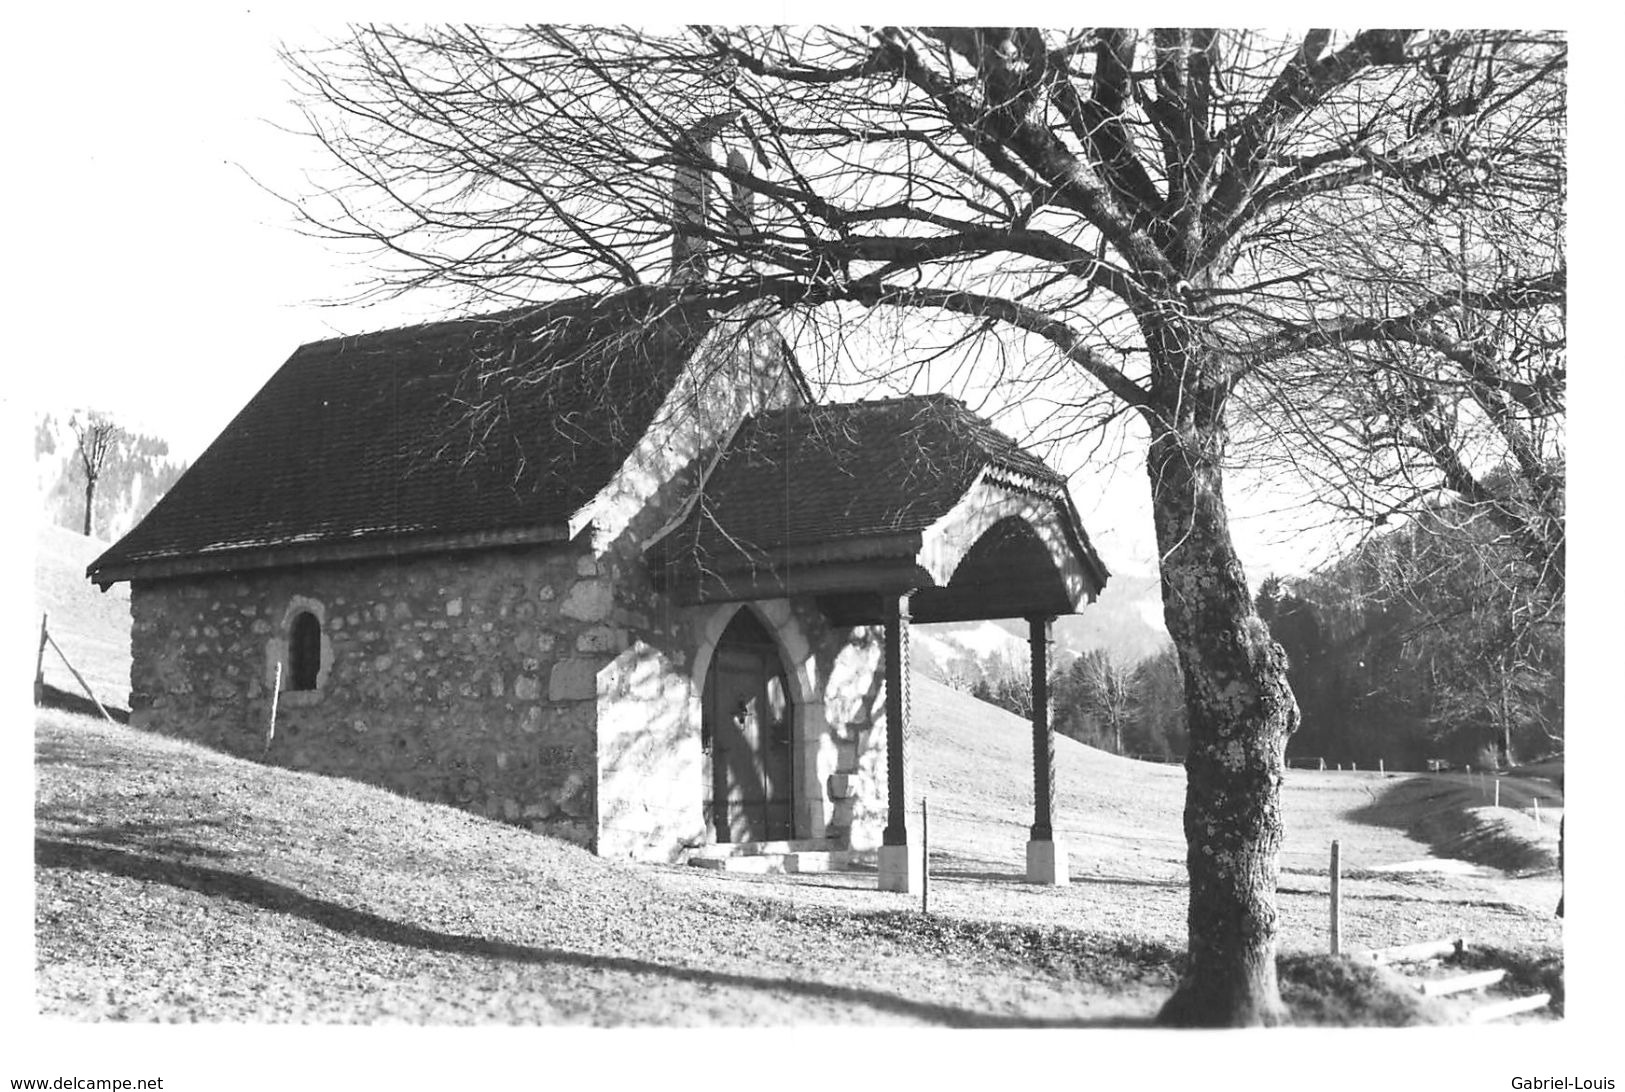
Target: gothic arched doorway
746,729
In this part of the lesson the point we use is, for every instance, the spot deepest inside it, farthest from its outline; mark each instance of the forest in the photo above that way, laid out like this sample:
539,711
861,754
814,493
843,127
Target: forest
1434,644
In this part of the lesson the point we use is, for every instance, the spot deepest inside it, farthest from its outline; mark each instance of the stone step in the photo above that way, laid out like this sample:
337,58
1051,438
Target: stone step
758,863
755,849
811,861
806,860
1417,953
1461,983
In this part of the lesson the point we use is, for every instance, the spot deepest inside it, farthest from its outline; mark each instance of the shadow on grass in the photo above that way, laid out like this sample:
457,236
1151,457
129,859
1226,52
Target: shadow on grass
53,698
1444,814
77,751
280,898
979,869
178,837
1128,881
1019,879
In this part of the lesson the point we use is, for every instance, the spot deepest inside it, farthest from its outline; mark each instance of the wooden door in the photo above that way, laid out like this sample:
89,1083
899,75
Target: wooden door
747,733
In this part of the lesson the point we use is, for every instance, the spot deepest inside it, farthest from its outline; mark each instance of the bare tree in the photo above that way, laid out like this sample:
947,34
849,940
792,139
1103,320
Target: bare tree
1007,681
1108,691
1159,707
1103,226
97,438
959,673
1463,402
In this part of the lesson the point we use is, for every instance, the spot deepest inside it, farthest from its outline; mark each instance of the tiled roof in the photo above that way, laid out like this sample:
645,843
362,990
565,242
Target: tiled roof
806,475
372,436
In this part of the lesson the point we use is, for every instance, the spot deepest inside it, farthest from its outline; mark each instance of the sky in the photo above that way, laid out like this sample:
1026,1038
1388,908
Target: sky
190,282
176,281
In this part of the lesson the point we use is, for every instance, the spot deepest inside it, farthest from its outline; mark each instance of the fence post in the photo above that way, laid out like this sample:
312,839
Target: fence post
1382,767
80,679
1337,899
39,665
276,690
1497,792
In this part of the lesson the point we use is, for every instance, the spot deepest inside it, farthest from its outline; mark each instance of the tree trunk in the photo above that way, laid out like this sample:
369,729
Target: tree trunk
90,497
1241,712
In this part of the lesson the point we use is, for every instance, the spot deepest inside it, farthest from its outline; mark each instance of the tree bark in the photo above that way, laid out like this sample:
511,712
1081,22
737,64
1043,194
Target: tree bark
1241,712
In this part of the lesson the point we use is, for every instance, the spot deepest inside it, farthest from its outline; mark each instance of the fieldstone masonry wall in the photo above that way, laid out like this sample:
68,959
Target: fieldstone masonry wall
465,679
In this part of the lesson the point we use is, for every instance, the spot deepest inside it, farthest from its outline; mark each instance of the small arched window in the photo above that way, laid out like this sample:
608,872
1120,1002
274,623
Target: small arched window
304,651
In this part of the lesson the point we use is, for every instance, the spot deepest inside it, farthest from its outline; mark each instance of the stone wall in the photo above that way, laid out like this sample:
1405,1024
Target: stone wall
464,679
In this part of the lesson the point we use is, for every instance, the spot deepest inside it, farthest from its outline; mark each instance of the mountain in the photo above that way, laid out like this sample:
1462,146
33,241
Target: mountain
1126,621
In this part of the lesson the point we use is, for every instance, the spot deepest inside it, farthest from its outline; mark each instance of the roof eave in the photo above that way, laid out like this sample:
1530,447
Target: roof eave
285,555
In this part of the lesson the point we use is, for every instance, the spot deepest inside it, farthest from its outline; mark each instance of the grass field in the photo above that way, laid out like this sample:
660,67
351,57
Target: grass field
178,884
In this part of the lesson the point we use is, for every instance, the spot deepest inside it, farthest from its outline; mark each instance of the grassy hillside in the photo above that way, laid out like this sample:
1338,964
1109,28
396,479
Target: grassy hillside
975,766
92,627
178,884
173,883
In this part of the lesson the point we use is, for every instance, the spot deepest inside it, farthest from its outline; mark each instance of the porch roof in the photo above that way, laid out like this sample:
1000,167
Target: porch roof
857,501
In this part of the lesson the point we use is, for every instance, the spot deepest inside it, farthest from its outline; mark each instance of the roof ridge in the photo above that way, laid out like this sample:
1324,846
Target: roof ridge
996,447
930,396
586,302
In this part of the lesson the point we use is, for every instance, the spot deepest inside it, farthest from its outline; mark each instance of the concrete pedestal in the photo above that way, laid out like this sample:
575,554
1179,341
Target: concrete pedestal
1046,863
901,869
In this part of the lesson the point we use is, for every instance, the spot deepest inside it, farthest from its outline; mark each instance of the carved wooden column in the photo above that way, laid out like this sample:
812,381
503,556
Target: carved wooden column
1046,857
1039,635
901,866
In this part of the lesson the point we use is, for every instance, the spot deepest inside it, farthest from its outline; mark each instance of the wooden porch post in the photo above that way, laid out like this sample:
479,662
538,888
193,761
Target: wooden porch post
1046,858
901,867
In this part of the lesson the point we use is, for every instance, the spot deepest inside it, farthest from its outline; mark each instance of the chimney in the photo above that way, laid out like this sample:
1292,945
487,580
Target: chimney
742,202
688,202
690,198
